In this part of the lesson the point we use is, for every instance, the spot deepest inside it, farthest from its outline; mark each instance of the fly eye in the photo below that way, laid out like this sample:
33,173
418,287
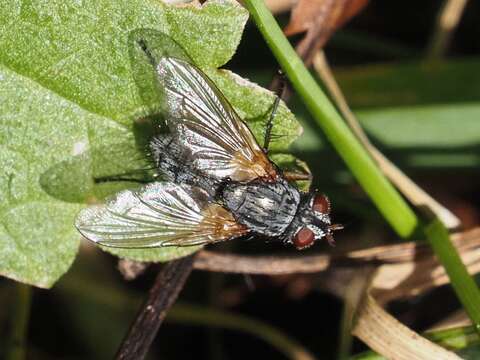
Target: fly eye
304,238
321,204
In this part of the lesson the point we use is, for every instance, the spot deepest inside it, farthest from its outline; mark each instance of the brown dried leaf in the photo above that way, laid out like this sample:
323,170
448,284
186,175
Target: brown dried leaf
320,18
403,280
329,14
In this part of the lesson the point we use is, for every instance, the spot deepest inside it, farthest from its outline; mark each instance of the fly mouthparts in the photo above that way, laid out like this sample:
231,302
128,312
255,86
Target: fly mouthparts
335,227
330,240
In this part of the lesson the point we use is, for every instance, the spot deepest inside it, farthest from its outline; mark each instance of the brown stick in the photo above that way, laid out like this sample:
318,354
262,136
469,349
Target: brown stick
277,265
162,295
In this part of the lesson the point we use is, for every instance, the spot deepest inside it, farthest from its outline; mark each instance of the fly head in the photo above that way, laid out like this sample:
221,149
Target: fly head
312,222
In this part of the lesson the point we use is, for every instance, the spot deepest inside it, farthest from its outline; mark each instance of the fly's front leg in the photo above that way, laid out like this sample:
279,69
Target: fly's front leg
296,176
144,175
269,125
137,176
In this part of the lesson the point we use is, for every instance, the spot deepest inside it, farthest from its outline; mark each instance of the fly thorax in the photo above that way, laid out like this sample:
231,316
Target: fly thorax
267,208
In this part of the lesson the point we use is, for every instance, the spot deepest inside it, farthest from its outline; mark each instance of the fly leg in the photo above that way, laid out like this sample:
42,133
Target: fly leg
268,127
119,178
296,176
127,177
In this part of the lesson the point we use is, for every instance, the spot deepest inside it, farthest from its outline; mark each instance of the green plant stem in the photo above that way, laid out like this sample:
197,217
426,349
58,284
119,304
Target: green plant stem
463,284
183,313
452,339
201,315
456,338
19,322
386,198
383,194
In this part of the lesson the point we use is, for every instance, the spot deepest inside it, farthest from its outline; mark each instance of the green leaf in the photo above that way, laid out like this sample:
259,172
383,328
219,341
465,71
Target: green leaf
456,338
69,107
420,137
428,136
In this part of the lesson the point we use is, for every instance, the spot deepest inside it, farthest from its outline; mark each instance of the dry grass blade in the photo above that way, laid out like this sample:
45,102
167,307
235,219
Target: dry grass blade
260,265
447,21
386,335
353,296
454,320
404,271
402,280
409,189
280,6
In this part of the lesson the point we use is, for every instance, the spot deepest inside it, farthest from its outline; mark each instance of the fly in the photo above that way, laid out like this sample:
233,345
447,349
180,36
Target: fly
219,184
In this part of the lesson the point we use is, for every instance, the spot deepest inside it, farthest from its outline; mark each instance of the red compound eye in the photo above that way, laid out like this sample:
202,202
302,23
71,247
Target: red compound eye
321,204
304,238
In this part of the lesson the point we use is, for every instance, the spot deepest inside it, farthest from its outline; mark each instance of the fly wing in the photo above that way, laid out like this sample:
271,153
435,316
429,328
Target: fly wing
212,137
159,214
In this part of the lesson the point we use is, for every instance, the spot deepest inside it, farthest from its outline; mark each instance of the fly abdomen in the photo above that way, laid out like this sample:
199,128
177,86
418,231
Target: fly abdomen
172,161
266,208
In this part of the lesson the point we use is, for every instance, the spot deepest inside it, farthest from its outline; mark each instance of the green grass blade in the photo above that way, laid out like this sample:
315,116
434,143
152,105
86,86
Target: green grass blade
387,199
461,281
383,194
454,338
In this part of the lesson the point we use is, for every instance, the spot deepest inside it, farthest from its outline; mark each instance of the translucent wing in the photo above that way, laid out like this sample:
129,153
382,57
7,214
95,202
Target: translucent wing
214,140
159,214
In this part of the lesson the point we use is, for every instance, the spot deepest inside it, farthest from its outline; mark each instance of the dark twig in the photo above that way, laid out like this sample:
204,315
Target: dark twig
260,265
163,294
